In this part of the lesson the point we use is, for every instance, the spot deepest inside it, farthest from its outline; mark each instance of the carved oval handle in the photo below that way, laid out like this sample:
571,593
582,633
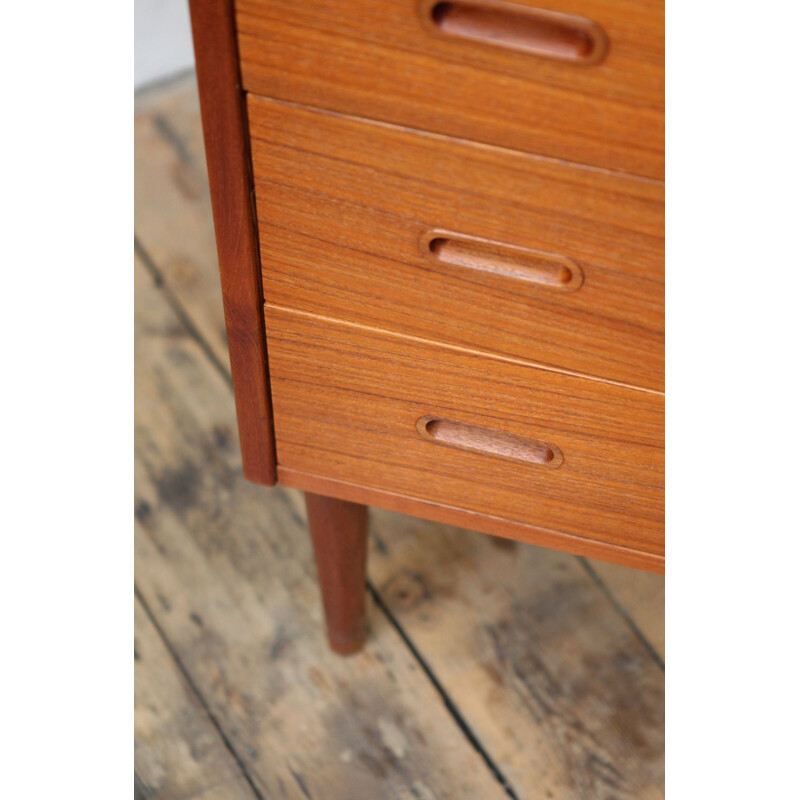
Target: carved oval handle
489,441
510,261
551,34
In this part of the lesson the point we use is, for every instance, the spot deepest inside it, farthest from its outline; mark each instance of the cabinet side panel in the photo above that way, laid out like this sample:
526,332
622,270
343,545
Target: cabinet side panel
229,175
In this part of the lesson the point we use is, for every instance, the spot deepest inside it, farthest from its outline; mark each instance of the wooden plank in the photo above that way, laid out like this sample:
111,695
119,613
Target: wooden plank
641,598
226,568
349,400
347,210
172,208
384,61
549,677
177,750
228,160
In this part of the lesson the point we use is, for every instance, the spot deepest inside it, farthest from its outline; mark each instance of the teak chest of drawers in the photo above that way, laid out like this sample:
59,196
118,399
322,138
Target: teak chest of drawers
440,230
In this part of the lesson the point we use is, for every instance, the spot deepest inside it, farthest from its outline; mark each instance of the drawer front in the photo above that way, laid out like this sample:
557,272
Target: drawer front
456,242
411,64
480,434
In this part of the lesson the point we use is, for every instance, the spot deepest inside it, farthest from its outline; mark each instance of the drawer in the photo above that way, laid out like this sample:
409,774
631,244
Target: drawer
480,434
479,247
517,85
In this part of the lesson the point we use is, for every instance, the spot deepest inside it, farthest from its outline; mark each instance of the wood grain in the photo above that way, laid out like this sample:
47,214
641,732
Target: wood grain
177,750
227,570
347,401
224,128
346,214
496,526
550,680
384,61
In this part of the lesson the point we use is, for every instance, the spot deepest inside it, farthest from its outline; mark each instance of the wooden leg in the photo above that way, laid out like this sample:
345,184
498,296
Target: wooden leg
339,533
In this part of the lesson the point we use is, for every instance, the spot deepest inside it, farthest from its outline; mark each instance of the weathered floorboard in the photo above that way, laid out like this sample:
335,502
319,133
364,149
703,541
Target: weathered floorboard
226,569
640,595
547,674
178,751
172,210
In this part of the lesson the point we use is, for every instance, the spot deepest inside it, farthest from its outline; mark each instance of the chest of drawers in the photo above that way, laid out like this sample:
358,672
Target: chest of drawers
440,235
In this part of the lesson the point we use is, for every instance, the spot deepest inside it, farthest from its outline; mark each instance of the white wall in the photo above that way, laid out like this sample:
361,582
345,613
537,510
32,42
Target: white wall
162,40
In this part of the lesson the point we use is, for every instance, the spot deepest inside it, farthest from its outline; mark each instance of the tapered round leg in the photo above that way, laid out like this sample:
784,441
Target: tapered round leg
339,534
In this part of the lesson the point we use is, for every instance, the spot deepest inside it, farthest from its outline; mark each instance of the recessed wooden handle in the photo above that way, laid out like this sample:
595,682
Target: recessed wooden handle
534,266
478,439
551,34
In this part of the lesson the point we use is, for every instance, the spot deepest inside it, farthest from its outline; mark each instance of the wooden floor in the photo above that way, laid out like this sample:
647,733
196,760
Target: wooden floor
512,672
